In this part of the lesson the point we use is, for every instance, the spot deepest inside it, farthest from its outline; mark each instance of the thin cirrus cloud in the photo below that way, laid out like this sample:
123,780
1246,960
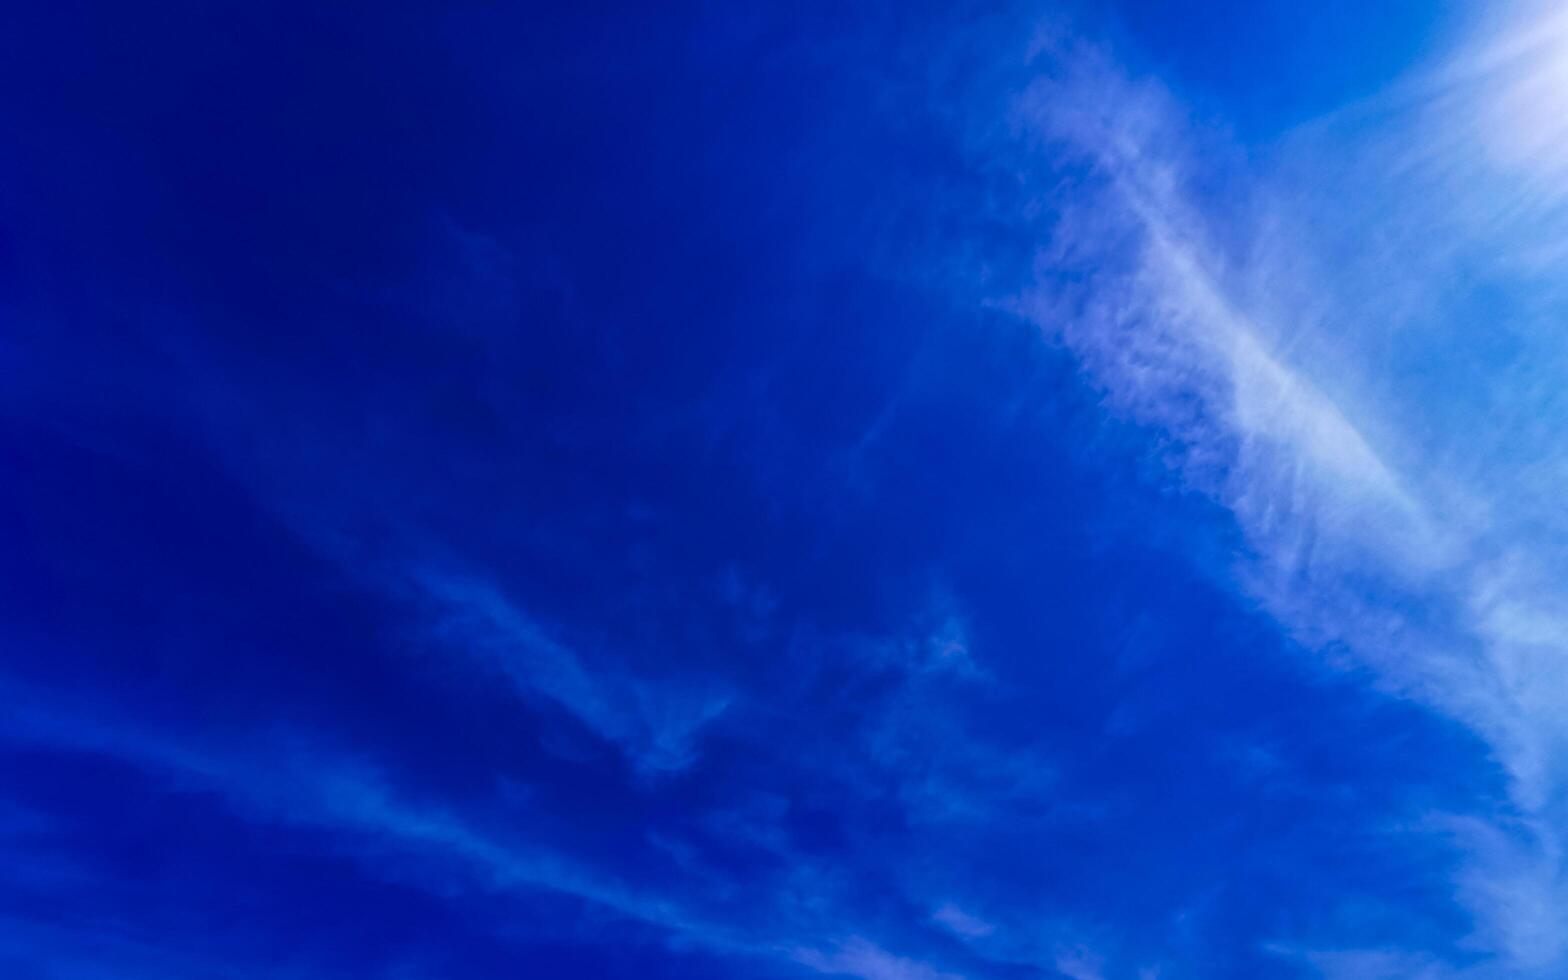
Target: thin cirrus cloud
1431,553
311,784
657,726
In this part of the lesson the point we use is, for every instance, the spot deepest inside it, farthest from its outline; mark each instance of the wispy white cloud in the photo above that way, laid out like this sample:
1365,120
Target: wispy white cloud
299,778
1080,964
1303,387
962,923
296,778
658,725
1365,964
859,957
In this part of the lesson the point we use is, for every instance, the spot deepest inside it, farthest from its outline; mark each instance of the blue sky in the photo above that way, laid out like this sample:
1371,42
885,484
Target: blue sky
890,491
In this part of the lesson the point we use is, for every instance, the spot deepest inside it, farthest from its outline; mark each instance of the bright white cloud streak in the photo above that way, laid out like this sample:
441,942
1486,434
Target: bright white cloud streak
1360,354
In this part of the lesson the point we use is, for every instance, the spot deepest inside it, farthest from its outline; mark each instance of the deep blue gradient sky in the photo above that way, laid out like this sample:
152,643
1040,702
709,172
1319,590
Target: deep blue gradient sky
894,491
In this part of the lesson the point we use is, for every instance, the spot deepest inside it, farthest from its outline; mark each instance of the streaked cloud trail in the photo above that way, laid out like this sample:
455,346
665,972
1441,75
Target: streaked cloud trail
1365,531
